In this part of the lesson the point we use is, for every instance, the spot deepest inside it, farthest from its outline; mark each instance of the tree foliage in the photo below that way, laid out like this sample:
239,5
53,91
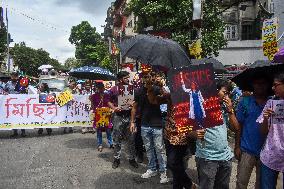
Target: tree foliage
90,47
3,44
176,17
71,63
28,59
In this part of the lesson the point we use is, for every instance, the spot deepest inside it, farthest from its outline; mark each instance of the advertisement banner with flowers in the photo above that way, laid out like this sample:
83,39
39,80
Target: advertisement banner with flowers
24,111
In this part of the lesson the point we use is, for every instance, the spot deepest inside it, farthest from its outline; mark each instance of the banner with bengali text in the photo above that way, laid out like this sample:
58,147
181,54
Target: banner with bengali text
24,111
269,37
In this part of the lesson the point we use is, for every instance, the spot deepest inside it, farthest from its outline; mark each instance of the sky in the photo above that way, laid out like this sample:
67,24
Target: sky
47,23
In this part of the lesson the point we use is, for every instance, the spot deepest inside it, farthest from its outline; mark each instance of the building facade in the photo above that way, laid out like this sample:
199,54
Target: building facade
243,28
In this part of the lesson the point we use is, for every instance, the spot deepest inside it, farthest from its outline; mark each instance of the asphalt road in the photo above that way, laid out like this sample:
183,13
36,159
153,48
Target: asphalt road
70,161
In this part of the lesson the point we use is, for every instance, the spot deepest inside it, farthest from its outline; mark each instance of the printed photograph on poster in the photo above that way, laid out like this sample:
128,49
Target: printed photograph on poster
194,97
108,84
126,96
47,98
278,108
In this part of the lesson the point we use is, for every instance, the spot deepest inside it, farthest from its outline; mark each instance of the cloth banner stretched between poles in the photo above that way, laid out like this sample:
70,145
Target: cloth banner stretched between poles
23,111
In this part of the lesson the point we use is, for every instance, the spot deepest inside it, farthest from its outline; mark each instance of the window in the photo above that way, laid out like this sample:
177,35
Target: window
231,32
129,25
247,32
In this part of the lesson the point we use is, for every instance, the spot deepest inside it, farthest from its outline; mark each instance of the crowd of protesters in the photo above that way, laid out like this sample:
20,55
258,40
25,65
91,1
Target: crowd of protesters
148,125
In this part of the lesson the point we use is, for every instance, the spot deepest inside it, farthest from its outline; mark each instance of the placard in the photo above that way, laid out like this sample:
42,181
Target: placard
269,37
194,97
102,116
278,108
64,97
126,96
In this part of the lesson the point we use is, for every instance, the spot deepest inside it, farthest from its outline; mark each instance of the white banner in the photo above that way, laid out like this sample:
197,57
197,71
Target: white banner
23,111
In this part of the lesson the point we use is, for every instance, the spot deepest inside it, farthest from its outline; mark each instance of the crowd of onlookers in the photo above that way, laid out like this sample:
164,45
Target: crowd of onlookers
147,125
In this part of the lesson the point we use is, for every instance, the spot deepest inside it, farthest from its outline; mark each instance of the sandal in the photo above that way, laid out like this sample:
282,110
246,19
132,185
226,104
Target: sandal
100,148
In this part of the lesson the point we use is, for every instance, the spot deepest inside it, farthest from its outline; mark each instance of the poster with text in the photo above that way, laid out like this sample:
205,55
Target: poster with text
269,37
278,108
194,97
126,96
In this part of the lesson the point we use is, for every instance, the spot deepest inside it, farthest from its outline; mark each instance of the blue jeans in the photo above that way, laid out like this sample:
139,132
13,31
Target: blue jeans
268,177
154,145
100,136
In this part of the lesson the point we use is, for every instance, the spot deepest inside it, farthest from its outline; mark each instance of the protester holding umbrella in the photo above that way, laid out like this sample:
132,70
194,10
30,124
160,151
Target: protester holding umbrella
249,140
272,154
151,128
98,100
176,143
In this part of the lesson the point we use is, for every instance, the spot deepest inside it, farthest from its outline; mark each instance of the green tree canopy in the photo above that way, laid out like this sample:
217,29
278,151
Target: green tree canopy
28,59
176,17
3,44
90,47
71,63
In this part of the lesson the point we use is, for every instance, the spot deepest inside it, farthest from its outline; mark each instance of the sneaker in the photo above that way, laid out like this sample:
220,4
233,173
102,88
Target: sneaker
149,173
163,178
111,146
100,148
133,163
115,163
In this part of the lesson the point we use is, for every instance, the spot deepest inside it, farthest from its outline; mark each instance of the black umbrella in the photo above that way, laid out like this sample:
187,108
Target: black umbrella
154,51
218,66
265,67
93,73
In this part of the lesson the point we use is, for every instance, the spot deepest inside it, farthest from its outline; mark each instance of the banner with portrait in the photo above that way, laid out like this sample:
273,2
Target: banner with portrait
24,111
194,97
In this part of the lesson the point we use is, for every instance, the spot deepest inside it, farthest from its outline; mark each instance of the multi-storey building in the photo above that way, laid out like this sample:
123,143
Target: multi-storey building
243,27
243,31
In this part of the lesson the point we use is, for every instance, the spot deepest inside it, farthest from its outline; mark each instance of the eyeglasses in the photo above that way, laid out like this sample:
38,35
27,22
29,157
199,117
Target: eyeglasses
275,85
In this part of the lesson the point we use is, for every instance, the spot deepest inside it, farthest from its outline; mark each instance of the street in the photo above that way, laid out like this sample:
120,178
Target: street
70,161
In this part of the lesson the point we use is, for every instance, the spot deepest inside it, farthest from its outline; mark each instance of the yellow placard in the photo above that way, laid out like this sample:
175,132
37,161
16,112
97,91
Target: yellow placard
195,49
102,116
269,37
64,97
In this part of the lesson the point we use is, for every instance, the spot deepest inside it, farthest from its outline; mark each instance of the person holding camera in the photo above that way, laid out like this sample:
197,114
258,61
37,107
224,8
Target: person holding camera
151,128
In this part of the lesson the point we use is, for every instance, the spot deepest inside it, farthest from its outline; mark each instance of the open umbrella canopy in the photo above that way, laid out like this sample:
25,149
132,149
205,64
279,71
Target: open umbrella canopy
265,67
93,73
45,66
279,56
217,65
155,51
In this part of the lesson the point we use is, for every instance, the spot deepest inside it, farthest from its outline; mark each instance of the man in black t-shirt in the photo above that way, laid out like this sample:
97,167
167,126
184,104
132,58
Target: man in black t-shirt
151,128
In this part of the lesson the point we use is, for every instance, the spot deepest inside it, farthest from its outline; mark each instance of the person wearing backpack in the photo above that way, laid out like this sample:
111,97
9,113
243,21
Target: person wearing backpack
249,140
